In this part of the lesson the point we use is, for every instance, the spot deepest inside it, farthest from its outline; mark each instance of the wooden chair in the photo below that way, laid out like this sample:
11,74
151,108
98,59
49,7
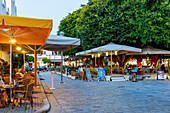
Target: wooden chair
81,75
1,99
6,80
26,95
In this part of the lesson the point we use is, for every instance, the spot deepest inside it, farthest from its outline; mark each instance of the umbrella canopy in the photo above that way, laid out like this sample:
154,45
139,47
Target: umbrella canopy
61,43
25,30
110,47
152,51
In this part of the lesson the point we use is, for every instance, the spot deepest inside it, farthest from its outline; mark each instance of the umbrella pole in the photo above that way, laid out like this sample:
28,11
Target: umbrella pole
61,82
35,66
10,60
24,60
111,63
95,60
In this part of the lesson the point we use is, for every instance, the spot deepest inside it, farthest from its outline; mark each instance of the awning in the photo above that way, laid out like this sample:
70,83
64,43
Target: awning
25,30
61,43
110,47
151,51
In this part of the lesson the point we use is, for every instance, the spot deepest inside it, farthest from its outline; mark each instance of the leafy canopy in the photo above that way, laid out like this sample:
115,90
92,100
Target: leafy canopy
131,22
29,58
46,60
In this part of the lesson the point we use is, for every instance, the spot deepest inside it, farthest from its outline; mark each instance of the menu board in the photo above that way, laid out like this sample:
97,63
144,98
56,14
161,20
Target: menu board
160,75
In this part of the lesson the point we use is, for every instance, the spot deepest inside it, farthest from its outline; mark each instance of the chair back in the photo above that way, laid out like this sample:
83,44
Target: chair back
73,73
6,80
29,90
17,76
25,82
30,72
101,74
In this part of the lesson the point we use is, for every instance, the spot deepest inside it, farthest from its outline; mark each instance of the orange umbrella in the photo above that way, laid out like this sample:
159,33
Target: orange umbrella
26,31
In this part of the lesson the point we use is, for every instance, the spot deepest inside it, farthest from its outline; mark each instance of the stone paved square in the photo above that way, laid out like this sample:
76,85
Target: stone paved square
77,96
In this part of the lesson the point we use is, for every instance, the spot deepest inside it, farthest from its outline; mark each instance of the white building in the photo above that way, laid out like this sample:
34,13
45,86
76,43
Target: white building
4,10
53,56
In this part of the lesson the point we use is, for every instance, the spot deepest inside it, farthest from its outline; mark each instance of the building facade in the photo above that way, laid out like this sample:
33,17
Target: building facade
4,10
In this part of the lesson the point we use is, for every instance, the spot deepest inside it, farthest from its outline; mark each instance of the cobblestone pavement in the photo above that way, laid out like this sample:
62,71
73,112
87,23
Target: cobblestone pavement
76,96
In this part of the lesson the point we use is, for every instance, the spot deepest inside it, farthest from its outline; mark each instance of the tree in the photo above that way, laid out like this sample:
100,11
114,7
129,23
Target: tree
46,60
127,22
29,58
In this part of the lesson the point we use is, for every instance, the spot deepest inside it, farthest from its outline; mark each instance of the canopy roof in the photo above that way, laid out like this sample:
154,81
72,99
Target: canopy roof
152,51
110,47
61,43
25,30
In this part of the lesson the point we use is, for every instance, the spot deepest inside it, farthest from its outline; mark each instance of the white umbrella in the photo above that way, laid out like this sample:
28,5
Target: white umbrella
61,43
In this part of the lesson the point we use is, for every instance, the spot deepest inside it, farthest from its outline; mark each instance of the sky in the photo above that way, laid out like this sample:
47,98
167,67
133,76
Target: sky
47,9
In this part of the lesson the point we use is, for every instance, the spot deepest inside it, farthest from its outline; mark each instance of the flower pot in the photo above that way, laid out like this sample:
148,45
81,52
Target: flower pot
140,73
151,74
73,77
107,78
69,76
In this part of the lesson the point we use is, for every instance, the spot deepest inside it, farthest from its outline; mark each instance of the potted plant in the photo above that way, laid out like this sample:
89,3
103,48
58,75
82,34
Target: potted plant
140,71
107,70
52,70
73,75
4,68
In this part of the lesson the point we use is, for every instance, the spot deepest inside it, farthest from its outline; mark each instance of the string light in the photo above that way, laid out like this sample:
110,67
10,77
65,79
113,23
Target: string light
107,53
18,48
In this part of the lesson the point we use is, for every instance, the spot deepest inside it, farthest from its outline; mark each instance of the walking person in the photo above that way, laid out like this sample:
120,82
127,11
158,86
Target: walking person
163,66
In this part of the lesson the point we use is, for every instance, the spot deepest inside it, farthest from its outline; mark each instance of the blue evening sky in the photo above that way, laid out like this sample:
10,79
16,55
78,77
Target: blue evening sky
48,9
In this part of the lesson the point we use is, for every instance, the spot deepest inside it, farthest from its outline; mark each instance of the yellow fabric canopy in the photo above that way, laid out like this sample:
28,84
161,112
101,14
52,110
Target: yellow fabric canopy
24,30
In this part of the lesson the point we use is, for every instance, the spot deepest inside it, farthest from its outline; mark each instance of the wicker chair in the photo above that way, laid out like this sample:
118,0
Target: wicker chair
1,99
25,95
6,80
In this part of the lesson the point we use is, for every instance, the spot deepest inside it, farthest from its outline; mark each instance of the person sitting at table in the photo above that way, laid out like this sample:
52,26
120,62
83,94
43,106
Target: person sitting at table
20,74
23,70
4,94
151,66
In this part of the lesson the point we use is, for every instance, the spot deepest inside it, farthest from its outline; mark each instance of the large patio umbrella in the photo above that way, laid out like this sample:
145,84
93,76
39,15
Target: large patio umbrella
28,32
119,49
61,43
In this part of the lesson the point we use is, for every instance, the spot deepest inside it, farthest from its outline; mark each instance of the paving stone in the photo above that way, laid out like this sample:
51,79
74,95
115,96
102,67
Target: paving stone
77,96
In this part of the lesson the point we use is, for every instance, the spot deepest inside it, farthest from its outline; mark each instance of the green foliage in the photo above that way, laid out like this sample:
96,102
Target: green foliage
128,22
46,60
105,62
107,70
29,58
4,68
17,61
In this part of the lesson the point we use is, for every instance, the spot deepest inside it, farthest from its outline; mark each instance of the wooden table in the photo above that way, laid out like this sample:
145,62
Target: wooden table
12,88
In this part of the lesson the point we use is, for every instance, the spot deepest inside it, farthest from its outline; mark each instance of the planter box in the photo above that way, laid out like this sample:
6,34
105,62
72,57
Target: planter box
107,78
140,73
69,76
73,77
126,77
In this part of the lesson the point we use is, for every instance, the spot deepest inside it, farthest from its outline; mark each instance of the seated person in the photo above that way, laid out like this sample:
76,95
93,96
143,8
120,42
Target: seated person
4,94
20,74
23,70
151,66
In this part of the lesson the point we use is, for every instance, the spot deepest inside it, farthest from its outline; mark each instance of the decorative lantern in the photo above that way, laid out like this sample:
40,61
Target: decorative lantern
115,52
92,56
98,54
107,53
